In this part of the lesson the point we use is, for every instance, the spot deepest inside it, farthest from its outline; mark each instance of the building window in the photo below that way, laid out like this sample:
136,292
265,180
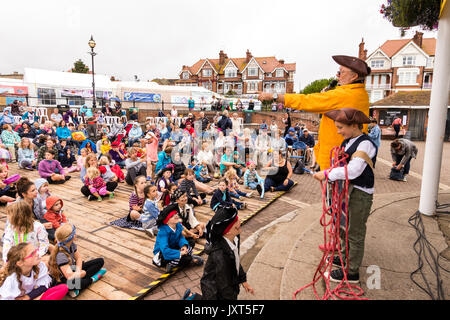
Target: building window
252,72
291,76
207,72
46,96
280,73
75,101
407,77
185,75
409,60
230,73
377,64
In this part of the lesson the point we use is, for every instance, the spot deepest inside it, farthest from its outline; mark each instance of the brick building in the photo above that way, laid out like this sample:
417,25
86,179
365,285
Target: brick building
399,65
239,75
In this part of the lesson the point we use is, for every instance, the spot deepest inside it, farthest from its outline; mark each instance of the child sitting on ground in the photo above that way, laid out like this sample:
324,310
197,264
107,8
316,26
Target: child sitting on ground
188,185
150,211
233,185
165,179
222,198
66,265
40,202
105,169
201,171
21,226
8,192
81,159
51,169
171,249
25,276
252,178
105,145
54,212
137,199
167,195
96,184
240,165
66,157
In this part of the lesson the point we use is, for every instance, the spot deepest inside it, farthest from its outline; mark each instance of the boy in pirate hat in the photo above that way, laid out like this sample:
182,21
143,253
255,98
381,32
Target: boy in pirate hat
362,153
223,272
171,248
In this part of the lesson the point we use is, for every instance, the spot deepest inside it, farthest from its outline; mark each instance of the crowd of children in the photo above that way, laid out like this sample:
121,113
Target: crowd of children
170,171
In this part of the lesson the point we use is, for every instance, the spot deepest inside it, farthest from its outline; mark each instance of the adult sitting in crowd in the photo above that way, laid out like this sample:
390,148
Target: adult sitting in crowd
279,176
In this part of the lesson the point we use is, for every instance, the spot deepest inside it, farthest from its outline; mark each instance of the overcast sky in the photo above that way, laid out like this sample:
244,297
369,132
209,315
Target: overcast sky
153,39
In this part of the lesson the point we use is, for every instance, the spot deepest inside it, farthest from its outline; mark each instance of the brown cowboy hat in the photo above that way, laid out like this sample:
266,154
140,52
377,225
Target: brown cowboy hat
348,116
355,64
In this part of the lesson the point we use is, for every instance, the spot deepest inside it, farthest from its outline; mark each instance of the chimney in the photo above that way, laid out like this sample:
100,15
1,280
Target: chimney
365,54
221,57
418,37
248,56
361,50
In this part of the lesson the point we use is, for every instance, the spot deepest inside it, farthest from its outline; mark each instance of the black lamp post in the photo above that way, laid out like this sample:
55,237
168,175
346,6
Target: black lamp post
92,53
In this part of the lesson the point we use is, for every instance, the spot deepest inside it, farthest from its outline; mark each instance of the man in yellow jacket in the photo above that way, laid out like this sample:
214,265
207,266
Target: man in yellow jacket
350,93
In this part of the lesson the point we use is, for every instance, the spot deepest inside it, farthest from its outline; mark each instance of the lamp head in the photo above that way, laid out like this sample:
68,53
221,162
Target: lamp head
91,43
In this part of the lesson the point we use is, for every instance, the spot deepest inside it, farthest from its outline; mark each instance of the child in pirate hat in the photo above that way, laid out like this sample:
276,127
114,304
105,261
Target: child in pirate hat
362,153
223,272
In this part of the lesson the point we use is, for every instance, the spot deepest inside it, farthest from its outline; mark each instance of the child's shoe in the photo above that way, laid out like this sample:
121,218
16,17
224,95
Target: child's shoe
98,275
111,195
249,195
74,293
99,198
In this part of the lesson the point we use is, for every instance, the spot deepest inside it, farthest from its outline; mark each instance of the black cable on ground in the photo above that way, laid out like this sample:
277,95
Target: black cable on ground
426,251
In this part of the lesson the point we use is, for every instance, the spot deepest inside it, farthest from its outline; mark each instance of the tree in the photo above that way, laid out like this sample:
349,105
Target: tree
316,86
80,67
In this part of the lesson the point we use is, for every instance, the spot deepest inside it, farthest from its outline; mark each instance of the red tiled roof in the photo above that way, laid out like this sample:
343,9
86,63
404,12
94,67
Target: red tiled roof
391,47
269,66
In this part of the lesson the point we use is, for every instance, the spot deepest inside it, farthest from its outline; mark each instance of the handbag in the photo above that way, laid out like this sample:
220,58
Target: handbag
299,167
396,174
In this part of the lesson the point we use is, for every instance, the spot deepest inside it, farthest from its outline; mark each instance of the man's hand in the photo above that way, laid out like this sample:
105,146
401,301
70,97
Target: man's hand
247,288
319,175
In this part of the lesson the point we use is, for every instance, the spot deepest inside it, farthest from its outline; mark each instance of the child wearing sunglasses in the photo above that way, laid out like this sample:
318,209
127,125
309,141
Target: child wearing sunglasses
25,276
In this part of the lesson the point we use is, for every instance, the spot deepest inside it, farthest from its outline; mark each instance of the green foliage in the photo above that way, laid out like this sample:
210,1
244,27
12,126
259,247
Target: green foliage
316,86
409,13
80,67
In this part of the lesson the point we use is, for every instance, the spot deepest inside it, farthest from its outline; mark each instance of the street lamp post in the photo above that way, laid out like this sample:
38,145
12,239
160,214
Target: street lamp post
92,53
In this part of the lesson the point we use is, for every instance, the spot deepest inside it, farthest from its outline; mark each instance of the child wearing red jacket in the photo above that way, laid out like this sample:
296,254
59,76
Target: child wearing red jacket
54,212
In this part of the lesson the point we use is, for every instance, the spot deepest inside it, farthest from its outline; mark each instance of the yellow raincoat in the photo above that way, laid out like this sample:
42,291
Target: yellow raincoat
346,96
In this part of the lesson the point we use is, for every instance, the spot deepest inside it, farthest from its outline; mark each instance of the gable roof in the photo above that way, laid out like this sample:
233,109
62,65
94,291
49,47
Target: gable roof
271,63
391,47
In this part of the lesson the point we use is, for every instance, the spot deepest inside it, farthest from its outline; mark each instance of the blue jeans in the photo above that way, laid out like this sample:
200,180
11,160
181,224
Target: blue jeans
407,164
281,187
252,185
237,194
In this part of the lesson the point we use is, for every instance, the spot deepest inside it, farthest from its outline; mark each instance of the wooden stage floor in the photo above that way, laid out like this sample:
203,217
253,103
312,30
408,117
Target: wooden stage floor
127,253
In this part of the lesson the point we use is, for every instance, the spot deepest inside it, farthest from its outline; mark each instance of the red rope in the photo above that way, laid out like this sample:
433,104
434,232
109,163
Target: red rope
330,220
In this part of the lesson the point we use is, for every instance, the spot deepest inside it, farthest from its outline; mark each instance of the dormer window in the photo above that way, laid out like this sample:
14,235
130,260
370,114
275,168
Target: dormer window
252,72
280,73
185,75
409,60
230,73
377,64
207,73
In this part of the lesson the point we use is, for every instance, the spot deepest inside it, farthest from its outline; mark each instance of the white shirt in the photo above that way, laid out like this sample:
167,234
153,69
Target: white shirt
356,166
10,289
234,248
174,113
